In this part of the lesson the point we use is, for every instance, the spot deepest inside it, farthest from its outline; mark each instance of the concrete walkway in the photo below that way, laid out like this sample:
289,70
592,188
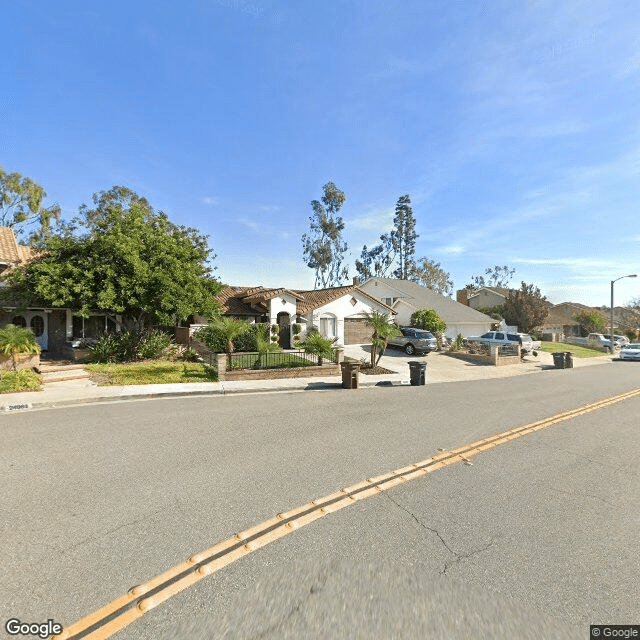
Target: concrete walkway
440,368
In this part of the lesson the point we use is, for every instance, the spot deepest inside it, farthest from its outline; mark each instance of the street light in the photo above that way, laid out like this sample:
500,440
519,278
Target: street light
633,275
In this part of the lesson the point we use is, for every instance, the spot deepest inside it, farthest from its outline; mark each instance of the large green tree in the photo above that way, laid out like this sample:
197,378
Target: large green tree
323,247
21,207
121,256
430,274
403,237
395,249
525,308
591,322
496,276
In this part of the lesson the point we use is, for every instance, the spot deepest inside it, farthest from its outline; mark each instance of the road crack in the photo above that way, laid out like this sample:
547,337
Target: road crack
316,587
457,557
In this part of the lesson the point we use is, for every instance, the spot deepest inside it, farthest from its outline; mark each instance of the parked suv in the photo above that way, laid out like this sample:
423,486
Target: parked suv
414,341
503,338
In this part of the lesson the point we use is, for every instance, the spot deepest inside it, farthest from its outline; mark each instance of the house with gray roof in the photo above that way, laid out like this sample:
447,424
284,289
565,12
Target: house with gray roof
407,297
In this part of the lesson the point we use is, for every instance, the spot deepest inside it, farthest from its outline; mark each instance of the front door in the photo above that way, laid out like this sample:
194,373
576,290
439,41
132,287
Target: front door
38,324
284,333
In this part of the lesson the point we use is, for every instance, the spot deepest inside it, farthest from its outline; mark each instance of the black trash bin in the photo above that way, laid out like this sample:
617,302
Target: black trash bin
417,372
568,360
350,374
558,360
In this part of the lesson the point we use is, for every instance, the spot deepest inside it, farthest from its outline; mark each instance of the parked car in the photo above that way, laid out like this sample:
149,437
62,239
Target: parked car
502,338
630,351
599,340
414,341
621,339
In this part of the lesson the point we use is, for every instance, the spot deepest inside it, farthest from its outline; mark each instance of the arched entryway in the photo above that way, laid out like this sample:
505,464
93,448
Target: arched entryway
284,326
37,322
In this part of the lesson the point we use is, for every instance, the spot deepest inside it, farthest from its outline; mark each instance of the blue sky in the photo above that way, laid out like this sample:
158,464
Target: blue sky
512,125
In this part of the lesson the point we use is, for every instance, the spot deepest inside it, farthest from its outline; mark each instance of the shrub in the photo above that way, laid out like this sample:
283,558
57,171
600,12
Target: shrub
189,355
129,346
212,337
21,380
428,319
215,339
15,340
155,344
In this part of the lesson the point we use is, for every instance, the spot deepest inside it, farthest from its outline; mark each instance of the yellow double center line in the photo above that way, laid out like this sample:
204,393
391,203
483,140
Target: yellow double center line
134,604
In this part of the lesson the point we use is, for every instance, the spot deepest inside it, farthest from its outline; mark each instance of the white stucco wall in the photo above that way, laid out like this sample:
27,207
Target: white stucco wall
381,290
343,308
283,303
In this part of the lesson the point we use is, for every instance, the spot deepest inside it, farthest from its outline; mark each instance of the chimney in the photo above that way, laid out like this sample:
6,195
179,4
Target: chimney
356,280
462,296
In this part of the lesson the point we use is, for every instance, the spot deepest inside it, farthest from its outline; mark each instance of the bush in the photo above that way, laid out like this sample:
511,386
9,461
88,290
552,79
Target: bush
215,339
130,346
15,340
21,380
189,355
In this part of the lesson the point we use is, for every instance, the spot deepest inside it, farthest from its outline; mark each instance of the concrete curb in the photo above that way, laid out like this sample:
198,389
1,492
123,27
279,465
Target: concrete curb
305,384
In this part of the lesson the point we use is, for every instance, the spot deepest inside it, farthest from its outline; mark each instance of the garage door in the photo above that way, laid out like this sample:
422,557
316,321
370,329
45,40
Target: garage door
357,331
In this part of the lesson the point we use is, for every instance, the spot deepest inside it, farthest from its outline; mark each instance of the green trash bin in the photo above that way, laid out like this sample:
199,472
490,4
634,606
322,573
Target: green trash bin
417,372
350,374
558,360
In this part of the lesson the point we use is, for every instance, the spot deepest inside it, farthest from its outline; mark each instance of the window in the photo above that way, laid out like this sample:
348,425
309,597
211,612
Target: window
499,336
93,326
37,325
328,327
19,321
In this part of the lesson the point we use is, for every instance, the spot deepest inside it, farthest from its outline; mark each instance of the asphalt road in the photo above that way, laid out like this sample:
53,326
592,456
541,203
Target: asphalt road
538,538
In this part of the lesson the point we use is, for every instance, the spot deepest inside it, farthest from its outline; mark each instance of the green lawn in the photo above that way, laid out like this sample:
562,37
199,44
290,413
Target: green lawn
156,372
275,360
578,351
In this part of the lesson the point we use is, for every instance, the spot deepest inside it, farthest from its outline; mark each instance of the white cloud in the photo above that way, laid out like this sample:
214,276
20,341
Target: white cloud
379,220
211,200
263,229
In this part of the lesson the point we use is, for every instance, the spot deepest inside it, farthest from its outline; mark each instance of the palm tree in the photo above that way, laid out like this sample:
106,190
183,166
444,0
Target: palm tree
322,347
231,329
382,331
15,340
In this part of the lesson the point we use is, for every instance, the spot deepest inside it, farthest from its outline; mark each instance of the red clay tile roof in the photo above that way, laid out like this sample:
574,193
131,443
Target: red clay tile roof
11,252
8,246
312,299
253,300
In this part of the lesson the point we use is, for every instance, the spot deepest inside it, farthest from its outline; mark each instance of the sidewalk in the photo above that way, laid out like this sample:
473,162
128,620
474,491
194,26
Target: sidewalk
440,368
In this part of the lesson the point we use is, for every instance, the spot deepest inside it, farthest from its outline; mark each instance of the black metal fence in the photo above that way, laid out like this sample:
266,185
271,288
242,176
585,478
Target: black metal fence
277,360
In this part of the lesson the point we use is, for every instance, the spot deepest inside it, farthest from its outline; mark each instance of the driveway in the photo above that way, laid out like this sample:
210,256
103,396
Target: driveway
444,368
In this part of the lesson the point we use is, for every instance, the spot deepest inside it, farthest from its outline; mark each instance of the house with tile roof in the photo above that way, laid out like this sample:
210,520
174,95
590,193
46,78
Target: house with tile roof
54,328
406,297
337,312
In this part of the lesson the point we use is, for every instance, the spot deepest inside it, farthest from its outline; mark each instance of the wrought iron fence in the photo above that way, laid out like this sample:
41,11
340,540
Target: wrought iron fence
276,360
